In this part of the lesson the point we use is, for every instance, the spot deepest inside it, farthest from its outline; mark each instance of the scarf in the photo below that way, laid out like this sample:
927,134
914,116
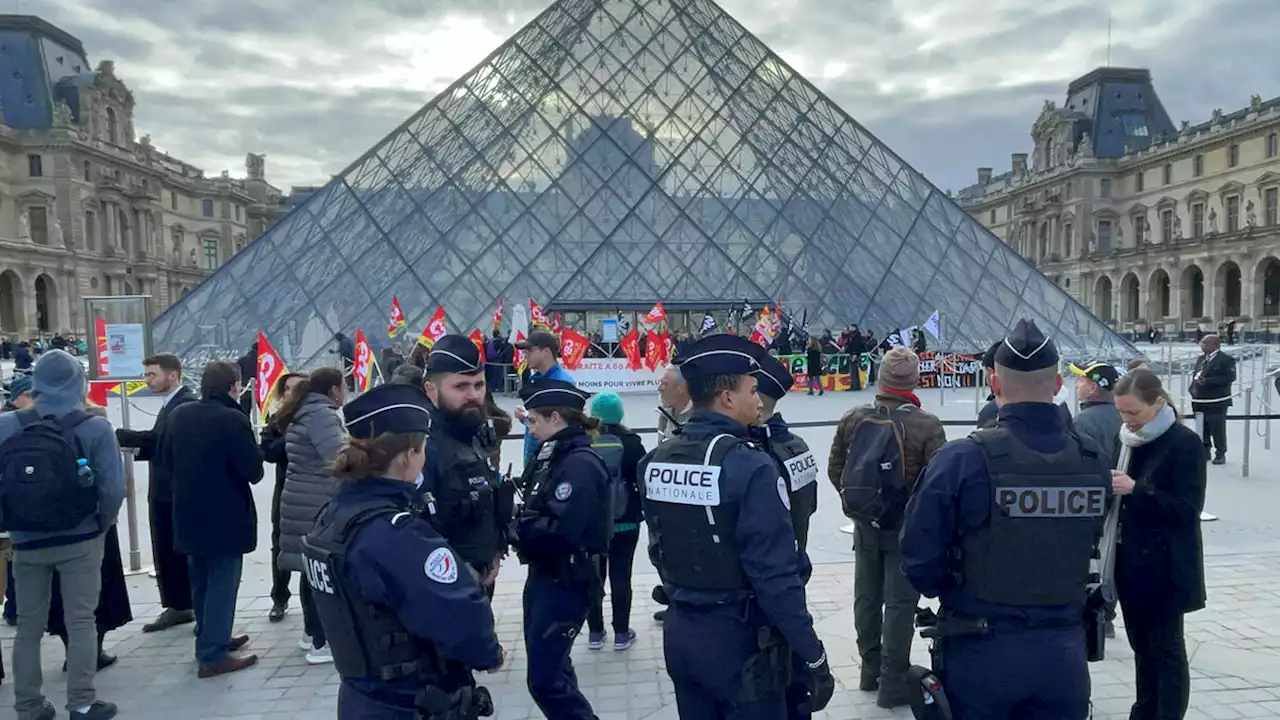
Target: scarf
1159,425
904,394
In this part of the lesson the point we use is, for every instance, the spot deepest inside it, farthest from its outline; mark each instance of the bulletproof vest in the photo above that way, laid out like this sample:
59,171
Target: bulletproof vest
465,507
368,641
541,487
800,470
690,526
1047,513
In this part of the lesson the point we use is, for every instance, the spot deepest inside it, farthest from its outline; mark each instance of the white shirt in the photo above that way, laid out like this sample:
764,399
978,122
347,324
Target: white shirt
169,397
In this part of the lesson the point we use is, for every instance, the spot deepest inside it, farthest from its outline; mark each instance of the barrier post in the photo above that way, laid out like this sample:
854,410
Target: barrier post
940,363
1248,427
130,489
1266,397
979,379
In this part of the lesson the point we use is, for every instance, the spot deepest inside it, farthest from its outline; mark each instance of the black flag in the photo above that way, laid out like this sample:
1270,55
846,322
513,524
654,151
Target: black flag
708,323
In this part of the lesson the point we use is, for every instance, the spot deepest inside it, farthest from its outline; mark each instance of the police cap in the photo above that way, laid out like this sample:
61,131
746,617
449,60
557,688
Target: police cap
989,357
553,393
720,355
774,376
1105,375
1026,349
391,408
454,354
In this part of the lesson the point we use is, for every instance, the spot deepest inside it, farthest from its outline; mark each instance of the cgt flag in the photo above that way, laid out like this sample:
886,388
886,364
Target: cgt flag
521,358
657,314
434,330
630,345
537,317
270,368
573,347
363,367
395,323
477,338
557,326
497,316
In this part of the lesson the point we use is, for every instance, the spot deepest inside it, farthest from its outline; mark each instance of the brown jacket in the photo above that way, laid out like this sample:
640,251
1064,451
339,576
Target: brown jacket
923,430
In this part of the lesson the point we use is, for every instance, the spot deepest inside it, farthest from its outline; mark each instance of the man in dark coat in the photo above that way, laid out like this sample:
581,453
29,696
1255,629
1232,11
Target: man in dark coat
1211,394
215,457
248,363
163,374
347,351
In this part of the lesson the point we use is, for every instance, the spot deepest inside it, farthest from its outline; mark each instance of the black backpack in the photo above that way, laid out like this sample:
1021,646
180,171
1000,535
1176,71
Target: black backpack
873,486
609,447
41,489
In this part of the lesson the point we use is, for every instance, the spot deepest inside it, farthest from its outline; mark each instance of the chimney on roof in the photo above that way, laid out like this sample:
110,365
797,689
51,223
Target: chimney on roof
1019,162
984,176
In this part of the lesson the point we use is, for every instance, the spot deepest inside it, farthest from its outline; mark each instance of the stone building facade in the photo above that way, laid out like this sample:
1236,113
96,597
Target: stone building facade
1147,224
86,207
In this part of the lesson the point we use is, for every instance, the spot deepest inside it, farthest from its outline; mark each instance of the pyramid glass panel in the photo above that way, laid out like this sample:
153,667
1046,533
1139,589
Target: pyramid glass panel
611,154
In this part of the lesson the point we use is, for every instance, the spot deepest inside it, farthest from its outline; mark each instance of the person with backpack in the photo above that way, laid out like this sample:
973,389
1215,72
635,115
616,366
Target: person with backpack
621,450
876,456
58,526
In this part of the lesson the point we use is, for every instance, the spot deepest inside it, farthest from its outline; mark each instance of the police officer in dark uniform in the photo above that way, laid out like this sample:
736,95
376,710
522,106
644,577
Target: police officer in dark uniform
406,622
1002,527
468,503
718,516
560,533
799,469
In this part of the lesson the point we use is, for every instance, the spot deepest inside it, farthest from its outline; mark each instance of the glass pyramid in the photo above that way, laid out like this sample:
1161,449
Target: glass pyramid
613,153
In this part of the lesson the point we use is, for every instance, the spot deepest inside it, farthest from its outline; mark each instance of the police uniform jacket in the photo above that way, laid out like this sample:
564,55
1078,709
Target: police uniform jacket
460,482
566,510
954,496
764,536
799,468
394,564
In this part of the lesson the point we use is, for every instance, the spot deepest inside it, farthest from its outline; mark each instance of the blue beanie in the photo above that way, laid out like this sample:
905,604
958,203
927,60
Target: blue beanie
20,384
607,408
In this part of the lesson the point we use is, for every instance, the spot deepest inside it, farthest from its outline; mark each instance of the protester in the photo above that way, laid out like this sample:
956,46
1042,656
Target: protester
273,450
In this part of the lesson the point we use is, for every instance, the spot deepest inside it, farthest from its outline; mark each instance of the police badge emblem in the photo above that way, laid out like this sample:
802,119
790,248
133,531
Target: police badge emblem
545,451
563,491
442,566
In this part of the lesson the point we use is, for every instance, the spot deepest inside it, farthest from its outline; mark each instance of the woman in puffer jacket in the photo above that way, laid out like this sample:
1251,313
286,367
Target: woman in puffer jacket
311,421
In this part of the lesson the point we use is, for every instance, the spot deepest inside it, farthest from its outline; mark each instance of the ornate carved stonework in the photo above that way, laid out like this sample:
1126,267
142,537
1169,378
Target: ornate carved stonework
62,116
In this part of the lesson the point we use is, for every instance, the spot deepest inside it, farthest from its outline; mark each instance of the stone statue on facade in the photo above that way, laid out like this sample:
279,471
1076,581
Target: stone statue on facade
1186,127
1250,217
1119,236
62,116
1085,148
1213,221
1177,227
255,166
191,258
1146,233
55,234
1255,102
24,225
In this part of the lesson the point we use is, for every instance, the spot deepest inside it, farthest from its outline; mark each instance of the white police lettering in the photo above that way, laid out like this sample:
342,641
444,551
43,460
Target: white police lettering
683,484
1052,502
782,492
442,566
318,576
803,469
563,491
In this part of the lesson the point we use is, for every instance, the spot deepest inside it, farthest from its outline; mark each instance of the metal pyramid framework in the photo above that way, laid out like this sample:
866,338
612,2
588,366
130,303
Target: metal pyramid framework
625,151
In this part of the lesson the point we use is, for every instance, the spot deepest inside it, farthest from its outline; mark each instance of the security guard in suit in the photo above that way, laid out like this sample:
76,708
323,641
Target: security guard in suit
799,469
407,624
1001,528
468,502
717,510
560,533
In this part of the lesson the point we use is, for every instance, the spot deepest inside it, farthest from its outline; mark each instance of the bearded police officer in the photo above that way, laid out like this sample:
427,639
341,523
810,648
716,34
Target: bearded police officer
561,532
1002,527
406,623
717,512
468,504
799,469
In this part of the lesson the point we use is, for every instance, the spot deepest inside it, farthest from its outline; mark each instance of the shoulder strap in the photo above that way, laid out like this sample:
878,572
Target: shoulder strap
361,514
716,450
27,417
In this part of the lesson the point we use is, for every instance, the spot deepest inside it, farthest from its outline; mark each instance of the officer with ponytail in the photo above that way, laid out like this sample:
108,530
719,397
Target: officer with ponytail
407,623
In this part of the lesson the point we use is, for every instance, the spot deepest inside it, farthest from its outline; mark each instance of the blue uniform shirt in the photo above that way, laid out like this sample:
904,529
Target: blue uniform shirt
557,372
388,565
764,537
576,517
955,493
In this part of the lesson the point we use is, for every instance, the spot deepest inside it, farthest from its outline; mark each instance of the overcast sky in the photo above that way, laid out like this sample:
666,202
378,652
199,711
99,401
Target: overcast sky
948,84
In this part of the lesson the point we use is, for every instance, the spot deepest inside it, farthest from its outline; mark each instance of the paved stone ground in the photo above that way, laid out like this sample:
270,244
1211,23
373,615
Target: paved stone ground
1235,642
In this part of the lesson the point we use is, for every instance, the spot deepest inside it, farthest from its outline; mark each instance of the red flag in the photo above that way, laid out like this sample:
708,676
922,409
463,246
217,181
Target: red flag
653,349
573,347
270,368
656,315
557,327
537,317
477,338
434,330
631,349
497,315
104,356
762,333
521,357
668,347
363,366
396,321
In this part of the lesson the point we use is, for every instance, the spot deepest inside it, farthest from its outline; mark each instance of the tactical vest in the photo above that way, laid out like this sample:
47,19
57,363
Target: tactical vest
540,486
691,528
800,470
464,497
1046,518
367,641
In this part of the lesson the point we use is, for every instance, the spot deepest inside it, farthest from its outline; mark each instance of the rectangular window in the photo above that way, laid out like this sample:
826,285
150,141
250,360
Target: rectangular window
206,208
1197,220
226,210
1166,226
1273,145
1197,166
35,166
1233,213
90,230
1140,181
38,216
1233,155
992,219
210,253
88,172
239,209
173,200
1139,229
1104,236
1104,188
1168,173
1271,212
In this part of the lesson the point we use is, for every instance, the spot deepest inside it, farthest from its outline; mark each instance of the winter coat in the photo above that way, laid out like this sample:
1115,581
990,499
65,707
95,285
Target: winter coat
312,442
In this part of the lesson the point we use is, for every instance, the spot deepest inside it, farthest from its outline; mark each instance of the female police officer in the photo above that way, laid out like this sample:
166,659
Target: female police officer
406,622
562,530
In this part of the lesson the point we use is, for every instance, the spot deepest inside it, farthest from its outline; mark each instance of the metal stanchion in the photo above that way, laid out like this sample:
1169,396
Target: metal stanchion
130,490
1248,426
941,365
979,379
1266,397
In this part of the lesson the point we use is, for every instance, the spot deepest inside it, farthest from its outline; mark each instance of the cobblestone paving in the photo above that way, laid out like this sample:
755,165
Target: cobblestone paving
1234,643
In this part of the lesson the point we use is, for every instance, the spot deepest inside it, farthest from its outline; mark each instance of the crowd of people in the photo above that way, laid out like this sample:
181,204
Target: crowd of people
394,510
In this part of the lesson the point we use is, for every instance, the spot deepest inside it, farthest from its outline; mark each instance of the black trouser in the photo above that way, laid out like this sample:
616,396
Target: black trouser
279,578
1160,661
617,567
172,574
1214,430
310,615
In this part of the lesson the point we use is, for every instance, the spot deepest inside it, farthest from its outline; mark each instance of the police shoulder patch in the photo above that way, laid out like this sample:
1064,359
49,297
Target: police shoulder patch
783,493
442,566
563,491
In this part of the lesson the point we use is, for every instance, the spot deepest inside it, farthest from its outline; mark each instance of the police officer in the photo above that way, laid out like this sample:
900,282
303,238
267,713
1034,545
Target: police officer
406,623
717,510
1001,528
560,533
468,503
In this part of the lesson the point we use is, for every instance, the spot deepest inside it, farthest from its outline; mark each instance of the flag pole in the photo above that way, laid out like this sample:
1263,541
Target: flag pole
941,362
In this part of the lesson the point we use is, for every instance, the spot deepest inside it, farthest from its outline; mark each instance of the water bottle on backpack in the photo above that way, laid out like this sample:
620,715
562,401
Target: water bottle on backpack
84,472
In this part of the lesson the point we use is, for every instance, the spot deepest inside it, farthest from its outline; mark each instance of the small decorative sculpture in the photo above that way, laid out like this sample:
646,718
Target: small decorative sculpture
1250,217
1186,126
1213,221
1146,233
191,257
55,234
1255,102
24,226
1085,148
62,116
1177,228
